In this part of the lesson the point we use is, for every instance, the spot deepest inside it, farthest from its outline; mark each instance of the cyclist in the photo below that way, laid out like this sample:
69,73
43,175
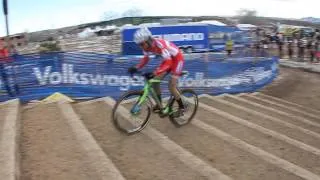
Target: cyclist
173,62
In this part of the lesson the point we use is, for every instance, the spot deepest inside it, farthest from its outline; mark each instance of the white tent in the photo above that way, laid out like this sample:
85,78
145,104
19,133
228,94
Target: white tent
246,27
86,33
107,28
214,22
125,26
211,22
112,27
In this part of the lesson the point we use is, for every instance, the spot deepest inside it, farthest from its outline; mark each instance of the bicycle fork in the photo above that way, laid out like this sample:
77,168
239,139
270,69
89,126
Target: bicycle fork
137,107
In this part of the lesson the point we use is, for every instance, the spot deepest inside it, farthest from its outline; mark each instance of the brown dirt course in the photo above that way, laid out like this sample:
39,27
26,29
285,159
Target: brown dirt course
296,85
50,151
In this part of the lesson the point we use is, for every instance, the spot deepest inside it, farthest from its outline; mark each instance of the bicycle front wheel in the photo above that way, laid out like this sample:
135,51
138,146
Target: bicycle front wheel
127,116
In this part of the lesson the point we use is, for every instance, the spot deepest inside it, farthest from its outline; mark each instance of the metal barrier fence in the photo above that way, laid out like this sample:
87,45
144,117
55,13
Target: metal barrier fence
91,75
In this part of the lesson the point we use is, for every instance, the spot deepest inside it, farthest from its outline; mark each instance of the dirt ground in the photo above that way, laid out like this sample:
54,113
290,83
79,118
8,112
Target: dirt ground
50,151
297,86
48,148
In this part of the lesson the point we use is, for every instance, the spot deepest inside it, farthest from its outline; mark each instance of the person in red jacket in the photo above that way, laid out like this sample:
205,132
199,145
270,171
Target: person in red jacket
4,53
172,63
4,57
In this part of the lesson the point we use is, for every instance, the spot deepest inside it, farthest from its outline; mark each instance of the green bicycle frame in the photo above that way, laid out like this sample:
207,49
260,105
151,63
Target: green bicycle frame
146,91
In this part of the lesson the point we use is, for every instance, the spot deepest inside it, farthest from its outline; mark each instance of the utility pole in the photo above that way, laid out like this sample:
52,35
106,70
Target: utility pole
5,12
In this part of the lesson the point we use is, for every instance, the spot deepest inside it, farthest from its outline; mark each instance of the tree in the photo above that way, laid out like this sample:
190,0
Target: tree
247,12
247,16
133,12
49,47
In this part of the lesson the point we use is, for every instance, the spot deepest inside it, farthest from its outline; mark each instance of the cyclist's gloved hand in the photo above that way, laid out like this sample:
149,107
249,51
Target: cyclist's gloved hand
132,70
149,75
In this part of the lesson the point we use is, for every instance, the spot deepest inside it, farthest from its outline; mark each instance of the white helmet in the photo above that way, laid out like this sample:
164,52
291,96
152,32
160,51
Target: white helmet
141,35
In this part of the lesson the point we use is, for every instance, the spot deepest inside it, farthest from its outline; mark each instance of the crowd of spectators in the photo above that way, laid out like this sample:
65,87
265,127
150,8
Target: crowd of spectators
299,46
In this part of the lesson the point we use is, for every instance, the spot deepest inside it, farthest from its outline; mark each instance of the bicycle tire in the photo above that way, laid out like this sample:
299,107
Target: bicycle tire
115,108
174,120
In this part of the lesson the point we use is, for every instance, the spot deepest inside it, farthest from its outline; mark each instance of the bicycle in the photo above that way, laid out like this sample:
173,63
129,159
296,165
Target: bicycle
134,101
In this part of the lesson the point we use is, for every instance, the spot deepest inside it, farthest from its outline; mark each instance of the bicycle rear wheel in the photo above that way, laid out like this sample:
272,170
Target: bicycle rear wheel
190,101
129,118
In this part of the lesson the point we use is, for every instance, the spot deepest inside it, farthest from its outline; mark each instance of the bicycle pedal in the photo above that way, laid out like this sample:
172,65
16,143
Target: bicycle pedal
156,110
162,115
178,113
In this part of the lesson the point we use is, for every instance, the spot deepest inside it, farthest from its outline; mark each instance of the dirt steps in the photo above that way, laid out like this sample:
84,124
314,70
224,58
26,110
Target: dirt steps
248,136
138,157
9,140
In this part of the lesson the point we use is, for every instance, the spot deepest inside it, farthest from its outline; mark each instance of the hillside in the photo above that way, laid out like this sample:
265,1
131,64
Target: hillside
312,20
43,35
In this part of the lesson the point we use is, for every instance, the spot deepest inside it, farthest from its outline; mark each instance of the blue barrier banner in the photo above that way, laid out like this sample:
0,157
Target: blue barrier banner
90,75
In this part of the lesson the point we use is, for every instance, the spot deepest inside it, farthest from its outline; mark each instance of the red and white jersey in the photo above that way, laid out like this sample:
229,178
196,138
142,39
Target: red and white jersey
163,48
171,54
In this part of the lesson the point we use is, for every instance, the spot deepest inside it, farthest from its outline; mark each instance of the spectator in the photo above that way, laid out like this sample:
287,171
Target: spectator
310,47
279,42
4,58
302,43
317,34
229,46
4,53
257,48
290,49
13,51
317,49
265,46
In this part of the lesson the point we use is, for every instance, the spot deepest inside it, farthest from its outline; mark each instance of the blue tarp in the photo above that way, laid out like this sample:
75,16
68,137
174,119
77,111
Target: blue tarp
195,35
96,75
202,37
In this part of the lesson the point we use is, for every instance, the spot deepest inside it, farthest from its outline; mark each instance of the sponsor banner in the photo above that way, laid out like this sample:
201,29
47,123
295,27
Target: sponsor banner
82,75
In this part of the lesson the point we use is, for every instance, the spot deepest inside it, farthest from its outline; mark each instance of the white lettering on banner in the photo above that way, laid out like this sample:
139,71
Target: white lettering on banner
69,76
98,80
84,79
125,82
112,80
0,85
181,37
42,77
55,78
249,76
65,71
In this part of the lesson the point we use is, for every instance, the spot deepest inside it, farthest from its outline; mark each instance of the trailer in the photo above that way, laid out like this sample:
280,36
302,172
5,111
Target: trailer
188,37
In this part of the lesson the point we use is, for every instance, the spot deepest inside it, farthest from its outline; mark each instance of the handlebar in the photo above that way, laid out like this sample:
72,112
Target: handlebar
183,73
138,72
